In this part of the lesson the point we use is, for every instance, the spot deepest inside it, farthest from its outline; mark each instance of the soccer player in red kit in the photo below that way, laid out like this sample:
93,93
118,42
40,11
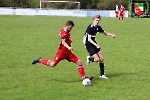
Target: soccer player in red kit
64,51
121,13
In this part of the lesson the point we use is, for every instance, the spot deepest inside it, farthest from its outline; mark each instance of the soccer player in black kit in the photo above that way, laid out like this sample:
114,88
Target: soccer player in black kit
91,45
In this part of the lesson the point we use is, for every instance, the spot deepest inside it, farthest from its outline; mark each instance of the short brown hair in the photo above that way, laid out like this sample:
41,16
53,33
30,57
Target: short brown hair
69,22
97,16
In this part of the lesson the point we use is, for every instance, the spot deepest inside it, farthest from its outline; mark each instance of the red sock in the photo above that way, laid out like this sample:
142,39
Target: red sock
44,61
81,71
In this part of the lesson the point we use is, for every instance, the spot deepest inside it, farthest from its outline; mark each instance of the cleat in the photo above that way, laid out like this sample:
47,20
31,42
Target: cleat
103,76
90,78
87,60
36,60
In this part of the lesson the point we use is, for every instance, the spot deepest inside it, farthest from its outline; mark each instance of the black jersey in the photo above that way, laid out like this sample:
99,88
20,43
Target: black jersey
92,30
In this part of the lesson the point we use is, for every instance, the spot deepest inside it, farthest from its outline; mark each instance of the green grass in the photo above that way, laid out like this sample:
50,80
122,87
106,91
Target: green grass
24,38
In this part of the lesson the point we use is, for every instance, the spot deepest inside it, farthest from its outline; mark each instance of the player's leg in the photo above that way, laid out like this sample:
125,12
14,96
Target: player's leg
98,57
119,16
101,65
73,58
46,62
94,58
93,52
122,18
116,12
81,70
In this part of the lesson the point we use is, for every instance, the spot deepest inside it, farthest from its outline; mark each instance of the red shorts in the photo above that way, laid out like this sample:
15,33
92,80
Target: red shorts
116,12
121,14
61,55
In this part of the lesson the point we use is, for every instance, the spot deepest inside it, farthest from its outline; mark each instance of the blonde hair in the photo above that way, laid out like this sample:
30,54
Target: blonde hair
97,16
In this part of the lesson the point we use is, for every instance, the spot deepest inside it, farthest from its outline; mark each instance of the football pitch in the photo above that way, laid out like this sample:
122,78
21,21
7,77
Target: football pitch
24,38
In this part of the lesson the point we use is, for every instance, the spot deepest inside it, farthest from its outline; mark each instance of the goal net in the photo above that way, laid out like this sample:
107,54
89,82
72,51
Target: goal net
59,4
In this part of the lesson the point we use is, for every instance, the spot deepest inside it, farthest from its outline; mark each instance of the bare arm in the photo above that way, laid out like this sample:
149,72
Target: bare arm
109,34
66,45
91,41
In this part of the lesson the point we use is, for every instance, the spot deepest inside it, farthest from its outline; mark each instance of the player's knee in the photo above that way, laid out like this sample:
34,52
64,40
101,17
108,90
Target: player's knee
52,64
79,62
97,59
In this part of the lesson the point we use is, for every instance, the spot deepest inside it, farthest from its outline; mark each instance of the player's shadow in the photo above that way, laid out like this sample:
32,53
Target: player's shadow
66,81
120,74
111,76
70,81
96,78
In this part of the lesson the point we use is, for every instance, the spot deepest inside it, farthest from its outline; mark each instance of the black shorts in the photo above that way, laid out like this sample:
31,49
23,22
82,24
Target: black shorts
92,49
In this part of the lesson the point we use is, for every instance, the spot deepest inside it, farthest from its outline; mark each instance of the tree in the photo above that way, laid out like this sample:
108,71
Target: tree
110,4
84,4
6,3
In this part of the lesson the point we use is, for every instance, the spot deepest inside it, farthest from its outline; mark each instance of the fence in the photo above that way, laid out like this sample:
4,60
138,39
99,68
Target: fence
46,12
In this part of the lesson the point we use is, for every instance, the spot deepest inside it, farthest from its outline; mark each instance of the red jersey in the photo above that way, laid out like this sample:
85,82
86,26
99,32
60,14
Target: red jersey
122,10
63,52
64,34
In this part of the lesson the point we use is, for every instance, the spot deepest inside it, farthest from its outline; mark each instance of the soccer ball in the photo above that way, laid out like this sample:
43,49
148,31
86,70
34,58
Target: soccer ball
86,82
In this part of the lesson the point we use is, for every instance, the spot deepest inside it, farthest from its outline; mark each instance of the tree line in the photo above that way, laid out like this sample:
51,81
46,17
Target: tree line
84,4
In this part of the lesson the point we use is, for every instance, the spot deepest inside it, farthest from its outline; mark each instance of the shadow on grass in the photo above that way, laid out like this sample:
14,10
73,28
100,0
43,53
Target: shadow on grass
97,80
71,81
111,76
67,81
120,74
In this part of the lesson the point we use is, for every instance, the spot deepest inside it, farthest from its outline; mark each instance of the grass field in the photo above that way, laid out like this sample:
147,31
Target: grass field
24,38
